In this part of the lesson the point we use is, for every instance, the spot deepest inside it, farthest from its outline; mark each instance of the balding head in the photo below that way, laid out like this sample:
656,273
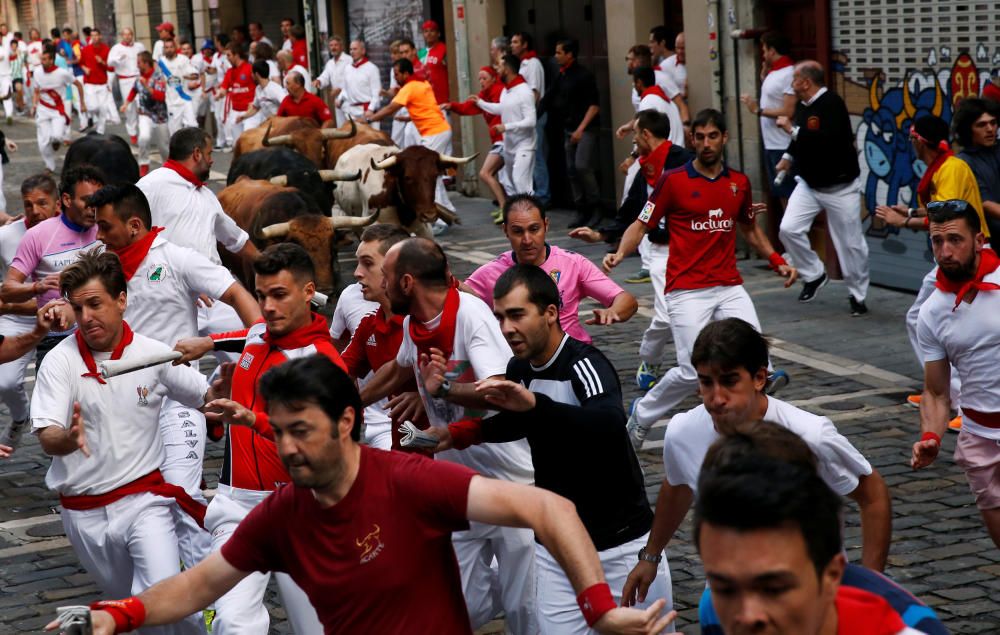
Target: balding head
412,269
807,79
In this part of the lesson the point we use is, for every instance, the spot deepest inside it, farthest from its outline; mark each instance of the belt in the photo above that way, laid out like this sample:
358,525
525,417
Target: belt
985,419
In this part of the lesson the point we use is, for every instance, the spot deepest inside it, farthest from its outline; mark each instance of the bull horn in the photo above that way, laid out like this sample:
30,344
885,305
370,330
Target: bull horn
334,133
278,230
444,158
938,106
908,107
873,93
281,180
385,163
349,222
337,175
280,140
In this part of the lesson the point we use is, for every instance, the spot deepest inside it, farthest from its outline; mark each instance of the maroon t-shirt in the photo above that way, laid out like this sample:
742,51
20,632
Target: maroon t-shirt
380,560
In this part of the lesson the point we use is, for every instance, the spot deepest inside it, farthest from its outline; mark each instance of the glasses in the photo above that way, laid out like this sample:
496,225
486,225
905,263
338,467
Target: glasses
943,211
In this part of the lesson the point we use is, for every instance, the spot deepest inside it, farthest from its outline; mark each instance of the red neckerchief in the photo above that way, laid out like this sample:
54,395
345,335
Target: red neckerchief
443,337
301,337
864,613
185,173
782,62
652,164
657,68
384,327
514,82
924,188
655,90
147,74
527,55
88,357
49,69
132,255
564,68
988,263
359,62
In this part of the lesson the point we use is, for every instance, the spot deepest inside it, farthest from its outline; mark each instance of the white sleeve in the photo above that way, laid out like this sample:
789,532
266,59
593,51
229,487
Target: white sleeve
492,107
927,339
488,351
407,355
338,323
54,393
374,85
526,113
229,233
666,82
184,384
201,275
840,463
325,78
679,465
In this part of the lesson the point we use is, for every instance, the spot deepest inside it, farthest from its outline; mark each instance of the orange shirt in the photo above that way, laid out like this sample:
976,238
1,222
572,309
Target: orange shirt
418,99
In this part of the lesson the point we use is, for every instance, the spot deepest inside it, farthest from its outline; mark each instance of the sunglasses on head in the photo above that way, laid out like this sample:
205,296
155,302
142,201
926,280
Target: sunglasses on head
938,211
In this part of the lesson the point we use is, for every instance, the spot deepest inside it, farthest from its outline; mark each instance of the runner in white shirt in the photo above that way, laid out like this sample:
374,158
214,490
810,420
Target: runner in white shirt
195,87
286,62
267,97
447,318
52,117
164,282
517,115
6,78
351,308
730,357
204,61
362,84
180,74
332,76
104,442
221,65
34,49
123,58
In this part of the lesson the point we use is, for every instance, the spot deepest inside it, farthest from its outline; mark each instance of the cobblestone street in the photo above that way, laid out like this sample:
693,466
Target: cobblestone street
857,371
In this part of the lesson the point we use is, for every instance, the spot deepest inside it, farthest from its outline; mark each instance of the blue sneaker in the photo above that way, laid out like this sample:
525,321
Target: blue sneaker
776,381
646,375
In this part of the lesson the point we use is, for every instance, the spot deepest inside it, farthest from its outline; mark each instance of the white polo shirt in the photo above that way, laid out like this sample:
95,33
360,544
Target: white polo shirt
121,417
350,310
690,434
669,108
533,73
773,89
124,59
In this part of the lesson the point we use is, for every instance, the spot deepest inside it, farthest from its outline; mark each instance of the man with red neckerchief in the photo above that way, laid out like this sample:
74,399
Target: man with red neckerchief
104,440
959,326
433,59
164,281
94,62
362,83
237,88
517,124
51,115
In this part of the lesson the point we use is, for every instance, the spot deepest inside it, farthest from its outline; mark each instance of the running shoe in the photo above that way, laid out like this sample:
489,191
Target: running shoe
639,277
646,375
777,380
636,432
914,400
858,307
955,425
12,436
809,289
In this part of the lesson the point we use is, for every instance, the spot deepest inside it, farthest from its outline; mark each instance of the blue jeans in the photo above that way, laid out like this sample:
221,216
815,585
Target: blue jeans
540,176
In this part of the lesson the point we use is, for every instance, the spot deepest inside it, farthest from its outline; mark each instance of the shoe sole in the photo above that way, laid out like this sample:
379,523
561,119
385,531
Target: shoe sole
816,292
778,384
637,280
912,405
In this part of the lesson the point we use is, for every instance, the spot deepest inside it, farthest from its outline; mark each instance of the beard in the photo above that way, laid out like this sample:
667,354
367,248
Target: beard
960,271
399,302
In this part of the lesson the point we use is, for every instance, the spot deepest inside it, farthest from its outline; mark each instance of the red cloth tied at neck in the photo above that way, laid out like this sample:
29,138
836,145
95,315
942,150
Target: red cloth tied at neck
514,82
443,337
565,67
185,173
49,69
88,357
317,330
988,263
527,55
132,255
489,70
359,62
655,90
782,62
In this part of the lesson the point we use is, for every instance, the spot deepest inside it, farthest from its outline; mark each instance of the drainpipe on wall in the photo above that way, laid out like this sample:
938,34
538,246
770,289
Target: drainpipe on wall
469,183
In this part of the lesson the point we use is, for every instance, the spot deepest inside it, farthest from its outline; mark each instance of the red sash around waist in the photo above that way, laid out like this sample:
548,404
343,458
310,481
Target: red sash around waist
152,483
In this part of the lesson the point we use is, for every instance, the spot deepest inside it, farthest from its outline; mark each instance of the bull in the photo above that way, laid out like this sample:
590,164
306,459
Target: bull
398,184
283,166
310,142
274,213
253,138
110,153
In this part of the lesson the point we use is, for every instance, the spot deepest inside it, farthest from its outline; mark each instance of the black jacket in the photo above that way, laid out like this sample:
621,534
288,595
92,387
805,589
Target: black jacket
824,150
573,91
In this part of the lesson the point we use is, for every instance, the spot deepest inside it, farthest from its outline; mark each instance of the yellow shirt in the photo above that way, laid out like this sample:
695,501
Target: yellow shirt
955,180
418,99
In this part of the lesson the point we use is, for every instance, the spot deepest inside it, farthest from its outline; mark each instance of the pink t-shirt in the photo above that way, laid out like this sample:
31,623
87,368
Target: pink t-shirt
51,246
574,275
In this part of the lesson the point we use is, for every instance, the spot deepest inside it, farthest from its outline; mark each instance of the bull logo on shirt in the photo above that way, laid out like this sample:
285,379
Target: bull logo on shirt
370,545
143,392
717,222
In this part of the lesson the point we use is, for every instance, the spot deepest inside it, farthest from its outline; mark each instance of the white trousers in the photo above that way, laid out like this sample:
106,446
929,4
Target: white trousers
218,110
219,318
3,197
520,166
912,315
511,586
152,133
7,94
690,311
654,340
843,219
558,611
233,128
183,433
12,373
440,142
241,610
100,106
180,117
127,547
378,435
125,85
629,179
50,126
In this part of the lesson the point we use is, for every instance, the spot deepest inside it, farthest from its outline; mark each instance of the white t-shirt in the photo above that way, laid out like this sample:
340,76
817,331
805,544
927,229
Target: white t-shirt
333,73
968,337
35,54
677,72
517,113
669,108
267,99
179,67
691,433
157,50
124,59
191,217
479,351
776,85
10,238
534,74
58,80
162,293
121,417
221,64
350,310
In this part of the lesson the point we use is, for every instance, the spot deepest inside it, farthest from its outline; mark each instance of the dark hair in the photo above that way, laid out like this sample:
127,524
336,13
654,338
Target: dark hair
260,27
657,123
242,30
408,42
969,111
386,234
424,260
42,182
313,380
513,62
286,257
730,344
296,77
641,50
944,211
261,69
526,39
237,48
645,75
128,201
185,141
663,34
146,57
760,438
933,129
288,20
709,117
297,31
542,289
50,50
80,174
404,65
570,46
780,42
519,202
95,263
223,39
759,492
264,51
66,29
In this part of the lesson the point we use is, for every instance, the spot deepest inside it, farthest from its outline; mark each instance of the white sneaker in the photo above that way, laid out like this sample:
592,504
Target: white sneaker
636,432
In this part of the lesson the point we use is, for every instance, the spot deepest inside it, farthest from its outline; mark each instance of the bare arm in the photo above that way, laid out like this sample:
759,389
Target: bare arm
249,252
79,87
935,409
386,380
587,118
672,504
55,313
622,308
991,209
628,244
15,289
682,107
872,497
245,305
384,112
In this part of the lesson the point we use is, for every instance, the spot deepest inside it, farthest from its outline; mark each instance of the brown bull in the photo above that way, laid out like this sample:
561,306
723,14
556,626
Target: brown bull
271,213
365,134
253,138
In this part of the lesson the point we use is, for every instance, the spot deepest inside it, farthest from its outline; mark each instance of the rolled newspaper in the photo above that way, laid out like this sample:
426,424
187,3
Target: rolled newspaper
320,299
414,437
113,368
74,620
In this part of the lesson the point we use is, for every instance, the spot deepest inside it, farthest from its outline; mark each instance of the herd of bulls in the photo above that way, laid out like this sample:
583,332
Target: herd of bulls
293,181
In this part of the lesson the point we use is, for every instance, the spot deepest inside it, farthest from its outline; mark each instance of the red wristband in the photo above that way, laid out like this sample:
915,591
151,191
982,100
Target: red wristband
129,614
927,222
775,260
931,435
595,601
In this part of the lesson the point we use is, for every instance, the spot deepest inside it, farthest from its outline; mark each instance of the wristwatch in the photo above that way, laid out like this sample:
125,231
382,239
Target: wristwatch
442,392
655,559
